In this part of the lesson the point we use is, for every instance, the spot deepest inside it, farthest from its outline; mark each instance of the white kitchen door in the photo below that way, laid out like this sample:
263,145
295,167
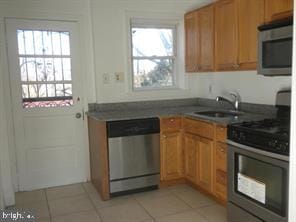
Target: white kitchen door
46,91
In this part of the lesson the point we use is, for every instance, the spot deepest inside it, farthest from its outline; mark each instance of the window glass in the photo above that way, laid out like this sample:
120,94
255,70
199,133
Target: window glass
153,51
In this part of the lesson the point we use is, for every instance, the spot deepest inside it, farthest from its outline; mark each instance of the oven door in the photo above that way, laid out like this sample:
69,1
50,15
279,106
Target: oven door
258,183
275,51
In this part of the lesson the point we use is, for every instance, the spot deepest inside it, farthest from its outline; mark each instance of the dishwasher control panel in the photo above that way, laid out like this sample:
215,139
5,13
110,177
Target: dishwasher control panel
133,127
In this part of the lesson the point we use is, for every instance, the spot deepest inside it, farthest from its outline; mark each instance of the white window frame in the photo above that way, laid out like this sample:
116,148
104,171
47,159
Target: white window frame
157,24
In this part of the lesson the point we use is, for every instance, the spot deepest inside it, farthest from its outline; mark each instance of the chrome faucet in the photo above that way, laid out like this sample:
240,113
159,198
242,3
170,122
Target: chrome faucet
234,102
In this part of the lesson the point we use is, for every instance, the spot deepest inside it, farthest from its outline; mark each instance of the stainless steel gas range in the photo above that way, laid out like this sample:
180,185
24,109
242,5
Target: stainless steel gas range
258,166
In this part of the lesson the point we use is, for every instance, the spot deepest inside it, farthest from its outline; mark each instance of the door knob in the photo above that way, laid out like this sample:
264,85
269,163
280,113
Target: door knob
78,115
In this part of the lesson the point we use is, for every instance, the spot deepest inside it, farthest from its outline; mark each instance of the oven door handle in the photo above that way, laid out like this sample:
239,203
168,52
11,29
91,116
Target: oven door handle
262,152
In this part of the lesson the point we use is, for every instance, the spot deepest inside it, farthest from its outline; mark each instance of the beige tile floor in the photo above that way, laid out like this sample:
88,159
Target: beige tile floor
81,203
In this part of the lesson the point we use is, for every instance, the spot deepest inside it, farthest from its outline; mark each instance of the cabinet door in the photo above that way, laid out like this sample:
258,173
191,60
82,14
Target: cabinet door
221,185
226,35
248,32
206,44
191,148
171,156
220,182
191,41
205,164
273,7
221,156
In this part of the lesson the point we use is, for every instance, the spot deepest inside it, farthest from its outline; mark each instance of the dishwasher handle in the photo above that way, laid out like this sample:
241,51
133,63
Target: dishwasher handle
135,127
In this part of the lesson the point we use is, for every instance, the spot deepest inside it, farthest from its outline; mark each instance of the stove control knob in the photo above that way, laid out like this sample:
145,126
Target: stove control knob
234,135
284,147
273,144
281,147
276,145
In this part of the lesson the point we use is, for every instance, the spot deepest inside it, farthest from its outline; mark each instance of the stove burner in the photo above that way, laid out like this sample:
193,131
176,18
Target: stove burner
269,134
266,123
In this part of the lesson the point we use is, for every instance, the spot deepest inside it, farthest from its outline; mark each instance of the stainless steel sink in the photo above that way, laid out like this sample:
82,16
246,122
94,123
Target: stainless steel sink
220,114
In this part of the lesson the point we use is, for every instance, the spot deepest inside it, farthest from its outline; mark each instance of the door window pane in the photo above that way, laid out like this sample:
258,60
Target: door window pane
31,67
20,40
29,47
65,43
45,68
23,69
56,39
67,69
38,42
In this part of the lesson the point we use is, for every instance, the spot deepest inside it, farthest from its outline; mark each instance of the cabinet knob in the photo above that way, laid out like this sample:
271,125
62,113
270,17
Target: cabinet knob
236,65
164,136
222,150
172,120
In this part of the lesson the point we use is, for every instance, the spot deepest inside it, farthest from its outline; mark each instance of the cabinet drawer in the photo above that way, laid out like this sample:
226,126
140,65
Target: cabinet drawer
221,133
199,128
170,123
221,156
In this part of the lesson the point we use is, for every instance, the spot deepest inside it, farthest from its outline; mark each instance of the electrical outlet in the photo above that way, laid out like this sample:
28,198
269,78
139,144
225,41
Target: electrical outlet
119,77
106,78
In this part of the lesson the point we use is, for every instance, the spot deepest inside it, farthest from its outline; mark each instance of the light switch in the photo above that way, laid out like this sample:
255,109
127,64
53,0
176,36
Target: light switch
106,78
119,77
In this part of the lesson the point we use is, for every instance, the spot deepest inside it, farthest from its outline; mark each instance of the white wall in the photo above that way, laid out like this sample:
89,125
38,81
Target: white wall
252,88
110,29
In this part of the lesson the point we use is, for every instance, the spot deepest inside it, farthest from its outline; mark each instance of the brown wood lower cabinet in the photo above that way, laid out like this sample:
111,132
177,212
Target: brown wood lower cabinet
205,157
171,150
191,155
205,164
199,161
171,156
220,184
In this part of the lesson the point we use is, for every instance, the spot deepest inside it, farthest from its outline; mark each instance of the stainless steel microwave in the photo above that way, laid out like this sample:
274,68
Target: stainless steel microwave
275,48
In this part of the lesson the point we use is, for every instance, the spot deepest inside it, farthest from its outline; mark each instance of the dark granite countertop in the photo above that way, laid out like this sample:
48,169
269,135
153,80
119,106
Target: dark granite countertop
187,111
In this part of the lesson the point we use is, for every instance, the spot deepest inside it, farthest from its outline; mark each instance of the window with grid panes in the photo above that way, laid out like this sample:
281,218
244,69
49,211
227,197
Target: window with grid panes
153,56
45,68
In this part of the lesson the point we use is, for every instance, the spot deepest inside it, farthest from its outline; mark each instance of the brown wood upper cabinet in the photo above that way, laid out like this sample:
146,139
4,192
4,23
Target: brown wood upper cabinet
236,33
199,32
275,7
191,41
248,32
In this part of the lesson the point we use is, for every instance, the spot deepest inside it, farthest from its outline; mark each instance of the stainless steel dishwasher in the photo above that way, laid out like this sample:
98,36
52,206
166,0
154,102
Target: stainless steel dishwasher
133,155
